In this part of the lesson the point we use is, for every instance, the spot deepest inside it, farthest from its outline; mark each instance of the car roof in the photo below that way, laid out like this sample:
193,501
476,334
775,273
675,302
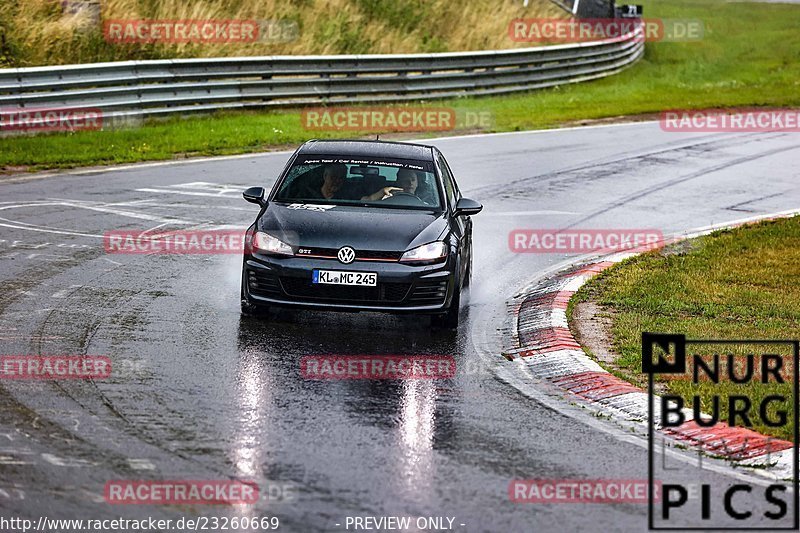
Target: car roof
397,150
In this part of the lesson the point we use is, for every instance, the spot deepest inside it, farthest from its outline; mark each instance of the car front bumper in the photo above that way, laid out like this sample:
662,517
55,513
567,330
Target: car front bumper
286,281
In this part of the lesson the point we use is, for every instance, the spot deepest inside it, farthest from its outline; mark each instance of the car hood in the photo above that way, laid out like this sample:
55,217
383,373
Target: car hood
379,229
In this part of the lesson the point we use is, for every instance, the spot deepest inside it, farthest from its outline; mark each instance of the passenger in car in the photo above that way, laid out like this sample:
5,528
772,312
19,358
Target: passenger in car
332,180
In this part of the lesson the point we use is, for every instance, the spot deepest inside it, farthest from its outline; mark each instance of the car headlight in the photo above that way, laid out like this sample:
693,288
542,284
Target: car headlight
264,242
427,252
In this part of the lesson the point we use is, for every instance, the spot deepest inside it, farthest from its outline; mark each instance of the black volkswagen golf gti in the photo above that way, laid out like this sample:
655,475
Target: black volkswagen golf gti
361,226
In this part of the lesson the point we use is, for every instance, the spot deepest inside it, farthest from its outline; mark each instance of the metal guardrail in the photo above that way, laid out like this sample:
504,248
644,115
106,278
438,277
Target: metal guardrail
152,88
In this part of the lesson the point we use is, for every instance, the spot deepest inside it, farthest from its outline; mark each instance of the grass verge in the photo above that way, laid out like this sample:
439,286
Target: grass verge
746,58
62,32
735,284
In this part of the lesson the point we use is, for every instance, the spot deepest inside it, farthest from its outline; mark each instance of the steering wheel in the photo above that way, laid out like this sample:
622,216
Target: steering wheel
403,194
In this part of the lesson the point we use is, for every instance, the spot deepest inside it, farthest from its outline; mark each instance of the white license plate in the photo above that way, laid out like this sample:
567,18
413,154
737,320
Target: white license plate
335,277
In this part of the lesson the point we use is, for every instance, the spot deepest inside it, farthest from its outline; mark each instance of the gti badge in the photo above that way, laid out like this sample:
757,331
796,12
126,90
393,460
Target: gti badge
346,255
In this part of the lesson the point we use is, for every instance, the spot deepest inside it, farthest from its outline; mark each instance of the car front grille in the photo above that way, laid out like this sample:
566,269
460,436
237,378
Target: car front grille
364,255
303,289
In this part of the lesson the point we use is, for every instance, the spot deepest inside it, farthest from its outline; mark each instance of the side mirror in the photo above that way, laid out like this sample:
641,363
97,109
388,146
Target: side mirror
467,207
255,195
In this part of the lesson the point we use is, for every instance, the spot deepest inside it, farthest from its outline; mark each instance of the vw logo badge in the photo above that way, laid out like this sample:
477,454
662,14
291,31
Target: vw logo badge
346,255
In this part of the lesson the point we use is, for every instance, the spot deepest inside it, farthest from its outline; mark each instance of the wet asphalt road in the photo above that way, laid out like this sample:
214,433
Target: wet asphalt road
199,393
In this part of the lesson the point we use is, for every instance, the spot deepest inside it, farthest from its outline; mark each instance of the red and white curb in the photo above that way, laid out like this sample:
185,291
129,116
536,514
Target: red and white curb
546,348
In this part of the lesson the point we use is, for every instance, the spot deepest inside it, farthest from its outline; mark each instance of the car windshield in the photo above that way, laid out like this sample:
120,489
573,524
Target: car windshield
368,182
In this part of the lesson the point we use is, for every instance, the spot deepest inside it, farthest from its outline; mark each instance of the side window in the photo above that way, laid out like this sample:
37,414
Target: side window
447,178
453,179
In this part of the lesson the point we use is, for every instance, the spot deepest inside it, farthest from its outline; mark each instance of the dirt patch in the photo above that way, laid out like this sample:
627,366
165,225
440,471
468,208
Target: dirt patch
620,119
592,329
591,325
14,169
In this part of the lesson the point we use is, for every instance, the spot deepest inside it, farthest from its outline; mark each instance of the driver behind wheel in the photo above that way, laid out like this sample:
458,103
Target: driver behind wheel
407,181
411,182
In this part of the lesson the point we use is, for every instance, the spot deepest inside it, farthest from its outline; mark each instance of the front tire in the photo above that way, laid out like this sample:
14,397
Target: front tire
450,319
254,311
250,309
468,274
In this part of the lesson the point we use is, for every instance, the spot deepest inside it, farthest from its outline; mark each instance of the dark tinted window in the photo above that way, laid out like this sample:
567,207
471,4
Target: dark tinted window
361,182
